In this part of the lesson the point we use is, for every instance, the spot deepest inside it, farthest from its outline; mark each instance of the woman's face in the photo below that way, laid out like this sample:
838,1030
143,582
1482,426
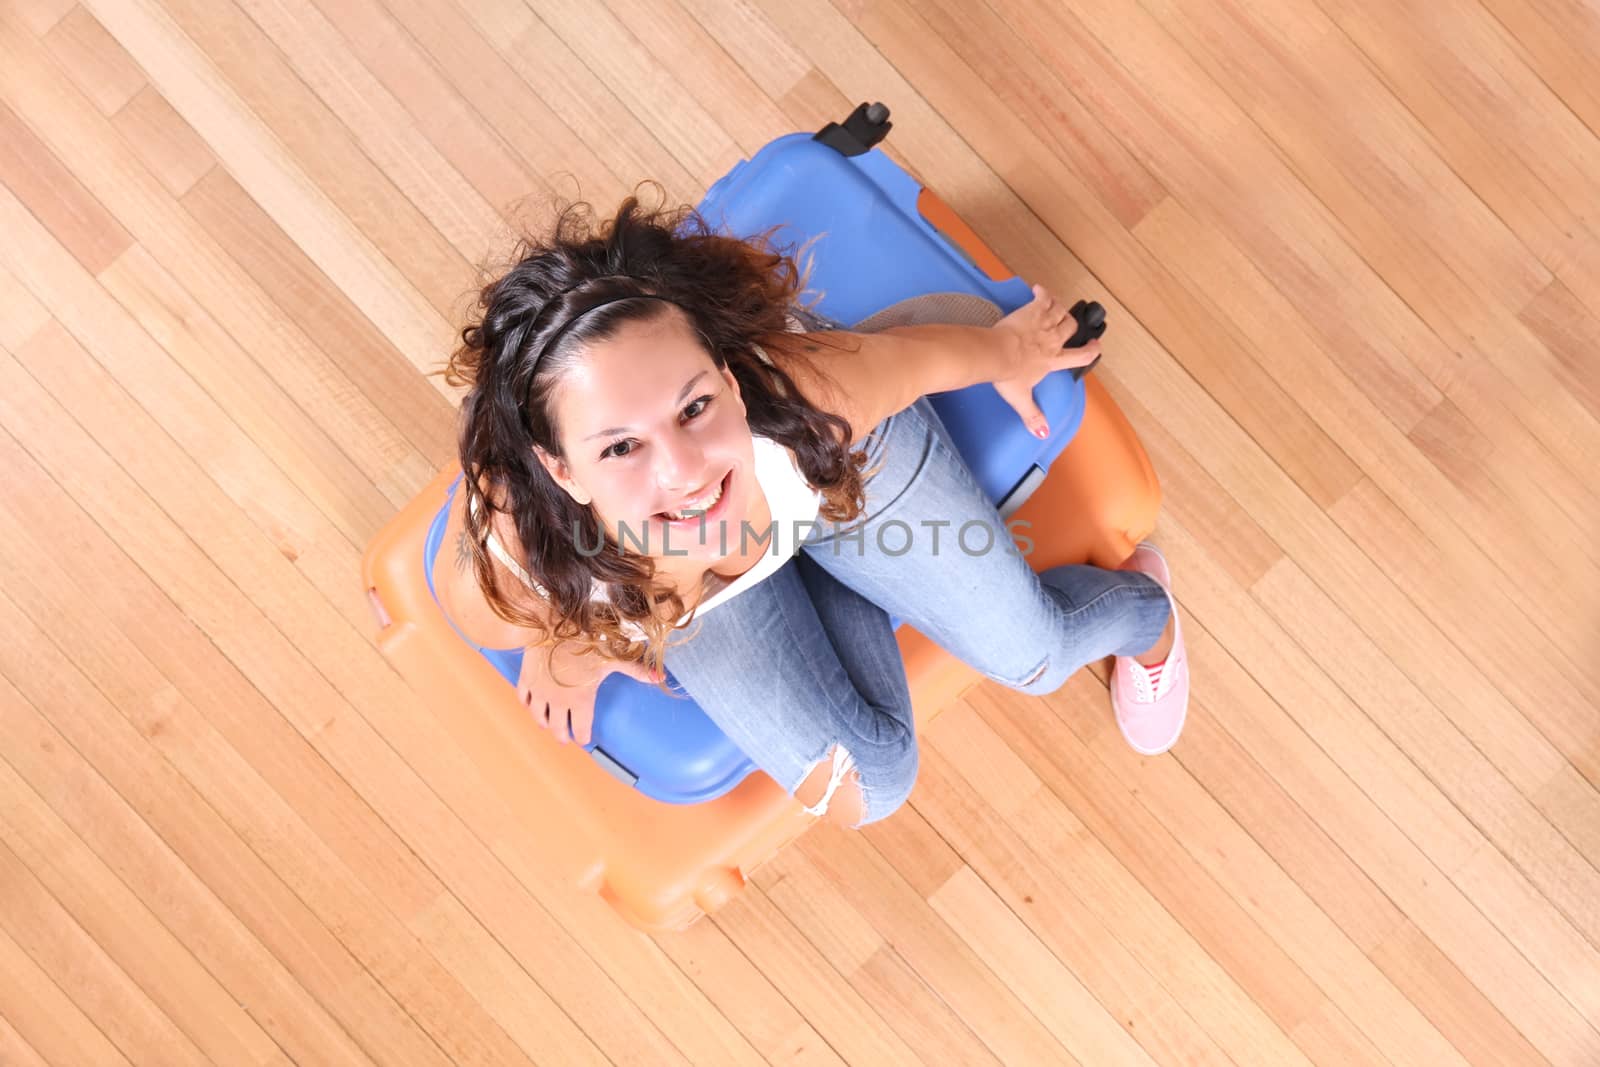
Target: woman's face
656,440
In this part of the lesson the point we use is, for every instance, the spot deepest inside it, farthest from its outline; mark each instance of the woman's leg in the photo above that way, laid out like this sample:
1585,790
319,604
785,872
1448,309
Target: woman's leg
931,549
797,666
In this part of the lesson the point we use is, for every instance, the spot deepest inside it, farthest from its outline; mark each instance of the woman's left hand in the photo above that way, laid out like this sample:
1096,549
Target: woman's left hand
1032,337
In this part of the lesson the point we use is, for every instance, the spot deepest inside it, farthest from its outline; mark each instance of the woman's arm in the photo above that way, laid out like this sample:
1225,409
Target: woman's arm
866,377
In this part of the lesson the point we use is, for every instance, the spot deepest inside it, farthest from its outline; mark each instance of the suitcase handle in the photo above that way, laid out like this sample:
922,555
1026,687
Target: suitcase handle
867,125
1091,318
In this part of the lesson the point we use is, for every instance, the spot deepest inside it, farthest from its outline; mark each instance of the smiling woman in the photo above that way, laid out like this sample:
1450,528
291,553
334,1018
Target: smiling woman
616,383
644,438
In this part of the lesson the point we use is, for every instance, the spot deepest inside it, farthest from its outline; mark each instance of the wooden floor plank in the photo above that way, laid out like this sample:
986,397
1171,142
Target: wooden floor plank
1572,334
1281,340
1557,40
407,312
1246,992
1466,929
194,988
75,796
16,1050
1045,984
1372,167
833,928
1413,962
21,314
996,1016
508,91
167,146
379,126
361,956
236,75
299,430
320,875
764,54
41,16
292,520
449,122
1503,813
1311,852
821,995
936,1030
94,60
202,266
97,986
57,198
1076,822
359,359
646,88
1485,110
730,97
1072,924
52,1023
744,995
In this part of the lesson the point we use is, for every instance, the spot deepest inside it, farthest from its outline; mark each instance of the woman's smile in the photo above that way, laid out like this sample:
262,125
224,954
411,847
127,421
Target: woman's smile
712,507
697,505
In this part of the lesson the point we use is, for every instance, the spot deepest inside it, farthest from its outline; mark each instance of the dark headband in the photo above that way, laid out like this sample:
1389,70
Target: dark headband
555,338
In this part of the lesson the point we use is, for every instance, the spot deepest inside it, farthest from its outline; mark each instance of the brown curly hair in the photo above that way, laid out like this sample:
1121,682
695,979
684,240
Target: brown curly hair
734,292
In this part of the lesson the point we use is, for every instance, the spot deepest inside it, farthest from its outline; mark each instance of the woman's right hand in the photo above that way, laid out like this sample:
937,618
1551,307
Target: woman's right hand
567,710
1035,332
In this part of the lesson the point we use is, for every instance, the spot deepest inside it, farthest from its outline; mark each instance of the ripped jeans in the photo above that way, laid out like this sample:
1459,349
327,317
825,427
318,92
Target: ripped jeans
806,661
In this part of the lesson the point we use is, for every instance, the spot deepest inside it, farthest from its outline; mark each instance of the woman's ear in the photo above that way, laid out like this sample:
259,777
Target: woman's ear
562,474
733,383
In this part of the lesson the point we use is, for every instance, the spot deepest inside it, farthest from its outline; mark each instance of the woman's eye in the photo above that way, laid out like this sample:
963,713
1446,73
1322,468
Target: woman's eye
694,410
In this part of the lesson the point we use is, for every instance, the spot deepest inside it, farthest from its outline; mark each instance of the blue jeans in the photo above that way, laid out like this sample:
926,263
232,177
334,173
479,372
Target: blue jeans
807,660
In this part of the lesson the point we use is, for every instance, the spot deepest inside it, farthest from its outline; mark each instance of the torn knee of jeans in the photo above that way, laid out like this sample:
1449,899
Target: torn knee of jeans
1026,680
843,764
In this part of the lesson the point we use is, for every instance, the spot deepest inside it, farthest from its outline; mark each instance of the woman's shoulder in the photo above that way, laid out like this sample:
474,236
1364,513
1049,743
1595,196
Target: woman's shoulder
505,547
456,582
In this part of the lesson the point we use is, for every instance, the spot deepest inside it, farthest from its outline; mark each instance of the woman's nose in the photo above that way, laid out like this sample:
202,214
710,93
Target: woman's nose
681,463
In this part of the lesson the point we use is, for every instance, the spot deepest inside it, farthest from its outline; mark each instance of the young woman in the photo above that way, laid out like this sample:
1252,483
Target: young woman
665,472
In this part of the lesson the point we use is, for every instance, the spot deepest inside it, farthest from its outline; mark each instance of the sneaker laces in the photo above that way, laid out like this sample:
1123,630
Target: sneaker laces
1147,686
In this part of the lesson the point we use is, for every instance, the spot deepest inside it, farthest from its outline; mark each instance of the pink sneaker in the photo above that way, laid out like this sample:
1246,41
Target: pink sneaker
1151,703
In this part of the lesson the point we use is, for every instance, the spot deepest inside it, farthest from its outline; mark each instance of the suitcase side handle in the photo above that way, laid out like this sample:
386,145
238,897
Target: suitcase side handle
1091,318
867,125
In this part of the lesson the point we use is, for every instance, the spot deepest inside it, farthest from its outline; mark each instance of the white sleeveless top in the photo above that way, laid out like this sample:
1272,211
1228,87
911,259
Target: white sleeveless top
794,505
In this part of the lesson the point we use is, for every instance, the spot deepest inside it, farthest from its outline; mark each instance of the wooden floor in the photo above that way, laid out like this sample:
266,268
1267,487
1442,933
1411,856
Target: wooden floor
1351,253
